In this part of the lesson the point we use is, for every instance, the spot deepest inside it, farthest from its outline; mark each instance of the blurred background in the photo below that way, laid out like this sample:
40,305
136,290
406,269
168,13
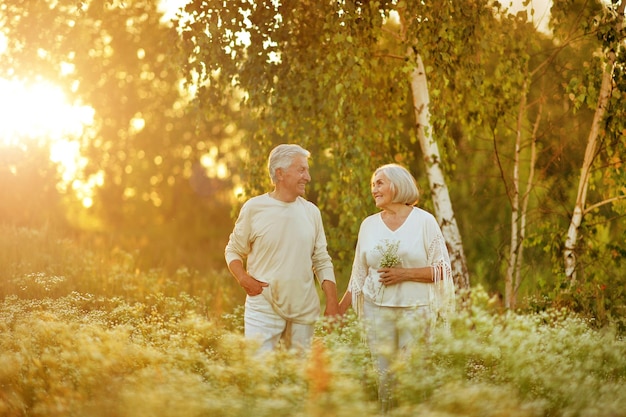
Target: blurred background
142,126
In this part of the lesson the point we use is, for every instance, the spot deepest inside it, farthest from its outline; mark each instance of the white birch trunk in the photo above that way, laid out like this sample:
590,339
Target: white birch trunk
524,209
569,251
514,247
436,180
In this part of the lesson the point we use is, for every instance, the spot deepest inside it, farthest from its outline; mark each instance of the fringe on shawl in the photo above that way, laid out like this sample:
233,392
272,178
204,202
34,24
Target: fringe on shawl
442,295
357,303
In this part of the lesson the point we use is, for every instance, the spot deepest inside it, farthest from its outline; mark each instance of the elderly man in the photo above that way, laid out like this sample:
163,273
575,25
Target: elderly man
281,237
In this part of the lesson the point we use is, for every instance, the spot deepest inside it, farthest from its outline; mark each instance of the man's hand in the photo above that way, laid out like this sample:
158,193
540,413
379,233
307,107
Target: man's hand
332,310
251,285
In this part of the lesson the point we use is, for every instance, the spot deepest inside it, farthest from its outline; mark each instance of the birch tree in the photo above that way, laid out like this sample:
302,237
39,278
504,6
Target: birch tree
517,68
519,203
511,81
436,180
613,46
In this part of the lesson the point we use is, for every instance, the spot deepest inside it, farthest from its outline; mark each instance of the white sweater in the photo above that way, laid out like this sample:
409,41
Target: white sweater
284,245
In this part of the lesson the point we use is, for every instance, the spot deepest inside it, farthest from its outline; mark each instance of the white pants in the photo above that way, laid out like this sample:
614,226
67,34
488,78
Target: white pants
390,332
261,323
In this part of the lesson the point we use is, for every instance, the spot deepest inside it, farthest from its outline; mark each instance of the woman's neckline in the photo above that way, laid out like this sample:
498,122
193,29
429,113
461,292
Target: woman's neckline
395,222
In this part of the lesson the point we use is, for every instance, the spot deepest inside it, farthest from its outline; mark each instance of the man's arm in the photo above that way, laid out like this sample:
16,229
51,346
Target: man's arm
330,291
247,282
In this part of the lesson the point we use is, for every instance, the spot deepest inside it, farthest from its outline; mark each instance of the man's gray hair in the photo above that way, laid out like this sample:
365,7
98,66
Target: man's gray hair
282,157
403,184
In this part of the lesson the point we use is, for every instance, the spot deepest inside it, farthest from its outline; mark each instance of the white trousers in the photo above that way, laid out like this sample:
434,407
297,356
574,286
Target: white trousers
390,332
262,324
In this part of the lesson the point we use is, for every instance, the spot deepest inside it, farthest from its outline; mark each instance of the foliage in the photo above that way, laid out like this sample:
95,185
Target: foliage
162,171
599,293
333,77
509,364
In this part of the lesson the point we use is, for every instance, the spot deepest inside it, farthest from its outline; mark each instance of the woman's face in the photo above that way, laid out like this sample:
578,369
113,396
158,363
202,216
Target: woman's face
381,190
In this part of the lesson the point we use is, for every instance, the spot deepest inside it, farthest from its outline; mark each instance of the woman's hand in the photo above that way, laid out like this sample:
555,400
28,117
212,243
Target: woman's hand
392,276
345,303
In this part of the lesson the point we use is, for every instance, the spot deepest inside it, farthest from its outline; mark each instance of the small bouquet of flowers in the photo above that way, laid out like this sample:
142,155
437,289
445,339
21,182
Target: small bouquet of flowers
389,252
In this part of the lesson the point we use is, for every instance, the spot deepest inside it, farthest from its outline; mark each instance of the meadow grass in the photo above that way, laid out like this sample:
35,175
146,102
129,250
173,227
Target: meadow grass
85,333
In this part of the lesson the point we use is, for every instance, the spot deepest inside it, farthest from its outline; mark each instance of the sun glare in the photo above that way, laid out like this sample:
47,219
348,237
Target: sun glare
39,111
40,114
169,8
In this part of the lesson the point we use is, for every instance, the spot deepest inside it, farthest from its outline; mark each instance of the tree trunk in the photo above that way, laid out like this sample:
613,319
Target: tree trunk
436,180
519,203
524,210
509,292
569,251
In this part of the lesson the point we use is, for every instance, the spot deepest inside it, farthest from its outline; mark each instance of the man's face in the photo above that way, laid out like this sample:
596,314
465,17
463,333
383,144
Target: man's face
294,179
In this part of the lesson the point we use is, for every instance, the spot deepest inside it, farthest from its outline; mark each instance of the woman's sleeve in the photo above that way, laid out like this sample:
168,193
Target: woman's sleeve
442,294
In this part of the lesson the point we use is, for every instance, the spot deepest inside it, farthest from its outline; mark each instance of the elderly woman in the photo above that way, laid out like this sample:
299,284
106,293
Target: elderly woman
401,277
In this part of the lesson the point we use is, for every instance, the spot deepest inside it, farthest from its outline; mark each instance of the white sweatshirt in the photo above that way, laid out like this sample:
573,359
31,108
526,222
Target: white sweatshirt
284,245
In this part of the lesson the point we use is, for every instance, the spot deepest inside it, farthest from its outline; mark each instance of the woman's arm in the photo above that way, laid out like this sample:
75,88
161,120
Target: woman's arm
392,276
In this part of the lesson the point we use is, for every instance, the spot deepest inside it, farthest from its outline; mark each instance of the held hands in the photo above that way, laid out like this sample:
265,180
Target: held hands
332,305
332,310
345,303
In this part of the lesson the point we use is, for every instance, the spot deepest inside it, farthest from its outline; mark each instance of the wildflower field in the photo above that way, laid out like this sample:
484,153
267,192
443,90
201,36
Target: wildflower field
84,332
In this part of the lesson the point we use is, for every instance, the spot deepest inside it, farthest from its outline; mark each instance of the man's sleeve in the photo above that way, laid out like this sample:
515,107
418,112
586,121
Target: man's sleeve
238,246
322,262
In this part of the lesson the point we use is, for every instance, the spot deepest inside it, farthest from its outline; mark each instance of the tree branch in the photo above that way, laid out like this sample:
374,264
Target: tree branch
604,202
385,55
499,163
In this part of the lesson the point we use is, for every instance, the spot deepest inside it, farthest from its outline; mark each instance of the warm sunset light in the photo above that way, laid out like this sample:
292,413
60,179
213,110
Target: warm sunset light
170,7
39,111
40,114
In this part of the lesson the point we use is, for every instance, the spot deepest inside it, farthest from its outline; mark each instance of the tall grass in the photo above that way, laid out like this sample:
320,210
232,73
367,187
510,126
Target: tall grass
40,263
85,333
